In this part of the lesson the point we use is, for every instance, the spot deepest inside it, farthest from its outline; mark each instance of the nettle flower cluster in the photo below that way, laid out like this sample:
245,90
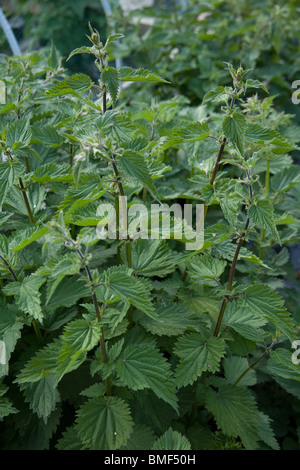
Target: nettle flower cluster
132,343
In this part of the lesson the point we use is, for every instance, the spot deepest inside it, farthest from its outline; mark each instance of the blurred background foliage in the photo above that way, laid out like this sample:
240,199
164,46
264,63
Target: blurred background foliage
186,41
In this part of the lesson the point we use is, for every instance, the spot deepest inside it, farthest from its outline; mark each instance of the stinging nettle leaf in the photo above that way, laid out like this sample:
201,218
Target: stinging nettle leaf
234,127
104,423
197,353
142,366
128,74
111,77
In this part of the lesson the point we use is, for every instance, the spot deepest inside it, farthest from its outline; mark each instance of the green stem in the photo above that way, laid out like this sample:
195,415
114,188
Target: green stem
254,364
217,164
28,208
267,190
98,315
37,331
231,277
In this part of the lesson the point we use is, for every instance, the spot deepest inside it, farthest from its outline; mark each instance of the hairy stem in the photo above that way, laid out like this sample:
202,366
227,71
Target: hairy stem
254,364
28,208
98,315
267,189
217,164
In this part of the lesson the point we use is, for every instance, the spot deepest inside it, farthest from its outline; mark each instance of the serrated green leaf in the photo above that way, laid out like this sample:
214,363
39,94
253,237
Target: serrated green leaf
263,301
6,407
259,133
265,431
198,353
141,438
285,179
172,440
42,396
132,289
24,237
281,363
111,78
70,440
27,295
244,321
10,171
172,320
128,74
206,266
234,127
235,412
81,335
151,258
18,134
233,369
42,364
261,212
52,173
104,423
75,84
142,366
216,95
134,165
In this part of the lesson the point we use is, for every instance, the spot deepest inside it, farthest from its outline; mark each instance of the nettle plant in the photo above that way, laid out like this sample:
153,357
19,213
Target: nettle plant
136,343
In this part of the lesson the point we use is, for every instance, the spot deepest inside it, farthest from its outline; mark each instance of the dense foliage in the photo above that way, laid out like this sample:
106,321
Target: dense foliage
135,342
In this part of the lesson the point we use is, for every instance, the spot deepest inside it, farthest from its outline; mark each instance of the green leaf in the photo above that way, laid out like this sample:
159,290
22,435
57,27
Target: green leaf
52,173
81,50
112,38
110,77
172,440
10,171
42,396
263,301
194,132
142,366
24,237
6,407
151,258
53,58
10,331
69,291
46,135
104,423
206,266
281,363
244,321
197,352
141,438
132,289
27,295
75,85
70,440
265,431
134,165
234,368
42,364
171,320
81,335
285,179
216,95
18,134
259,133
235,412
234,127
128,74
261,212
